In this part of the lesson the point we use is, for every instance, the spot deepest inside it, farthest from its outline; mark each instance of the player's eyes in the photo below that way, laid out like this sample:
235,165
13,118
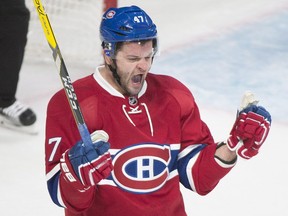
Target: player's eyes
133,59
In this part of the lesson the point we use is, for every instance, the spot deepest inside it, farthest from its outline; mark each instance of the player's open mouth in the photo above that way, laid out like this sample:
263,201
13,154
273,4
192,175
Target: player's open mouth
137,79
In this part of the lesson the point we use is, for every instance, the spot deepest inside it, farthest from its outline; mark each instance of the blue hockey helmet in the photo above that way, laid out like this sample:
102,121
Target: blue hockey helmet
124,25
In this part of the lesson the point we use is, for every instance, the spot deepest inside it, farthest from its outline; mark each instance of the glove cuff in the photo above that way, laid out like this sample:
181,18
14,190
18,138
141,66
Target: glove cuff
227,163
69,175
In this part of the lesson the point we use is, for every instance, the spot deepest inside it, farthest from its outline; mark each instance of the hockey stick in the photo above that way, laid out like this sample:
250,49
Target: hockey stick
65,78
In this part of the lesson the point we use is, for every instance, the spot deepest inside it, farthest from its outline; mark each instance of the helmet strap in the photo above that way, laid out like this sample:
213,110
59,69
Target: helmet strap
114,71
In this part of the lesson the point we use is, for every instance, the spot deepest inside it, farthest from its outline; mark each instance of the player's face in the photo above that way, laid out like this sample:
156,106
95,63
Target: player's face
133,64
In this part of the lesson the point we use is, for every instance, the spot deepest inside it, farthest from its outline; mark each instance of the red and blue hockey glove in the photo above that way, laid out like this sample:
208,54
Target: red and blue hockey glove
250,130
90,163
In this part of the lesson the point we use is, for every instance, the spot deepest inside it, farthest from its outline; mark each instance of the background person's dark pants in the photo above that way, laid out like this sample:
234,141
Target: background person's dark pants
14,22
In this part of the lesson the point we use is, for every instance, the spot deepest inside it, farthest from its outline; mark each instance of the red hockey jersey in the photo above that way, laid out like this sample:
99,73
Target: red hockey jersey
157,139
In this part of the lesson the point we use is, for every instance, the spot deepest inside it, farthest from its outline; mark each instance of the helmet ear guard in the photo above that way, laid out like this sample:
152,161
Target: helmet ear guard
126,24
107,47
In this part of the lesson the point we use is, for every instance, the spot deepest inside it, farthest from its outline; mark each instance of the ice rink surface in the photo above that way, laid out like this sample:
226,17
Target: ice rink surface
219,49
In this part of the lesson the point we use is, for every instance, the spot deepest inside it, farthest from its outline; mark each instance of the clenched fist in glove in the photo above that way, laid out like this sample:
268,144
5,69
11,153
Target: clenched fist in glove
249,131
90,163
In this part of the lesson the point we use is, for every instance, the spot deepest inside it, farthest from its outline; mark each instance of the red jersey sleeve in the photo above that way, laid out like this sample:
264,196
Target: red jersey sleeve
198,168
61,134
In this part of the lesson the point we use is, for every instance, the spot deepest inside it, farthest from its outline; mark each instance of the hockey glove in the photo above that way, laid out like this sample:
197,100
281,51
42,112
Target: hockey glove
249,131
90,163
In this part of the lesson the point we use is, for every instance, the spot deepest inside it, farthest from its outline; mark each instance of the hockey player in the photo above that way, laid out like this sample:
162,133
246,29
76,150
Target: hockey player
14,20
146,129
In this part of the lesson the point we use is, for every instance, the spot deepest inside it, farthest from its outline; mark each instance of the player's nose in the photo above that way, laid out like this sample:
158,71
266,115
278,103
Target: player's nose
144,64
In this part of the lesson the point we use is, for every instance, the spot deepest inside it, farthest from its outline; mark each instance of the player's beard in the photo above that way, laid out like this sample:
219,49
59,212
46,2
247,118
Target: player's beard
125,83
124,86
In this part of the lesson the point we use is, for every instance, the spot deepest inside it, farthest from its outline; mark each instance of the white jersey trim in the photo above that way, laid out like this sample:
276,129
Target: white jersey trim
172,174
104,84
187,150
59,196
190,164
172,147
189,172
53,172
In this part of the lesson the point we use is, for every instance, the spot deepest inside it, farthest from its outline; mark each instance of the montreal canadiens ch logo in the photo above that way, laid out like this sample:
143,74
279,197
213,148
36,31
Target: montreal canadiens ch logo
142,168
110,14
